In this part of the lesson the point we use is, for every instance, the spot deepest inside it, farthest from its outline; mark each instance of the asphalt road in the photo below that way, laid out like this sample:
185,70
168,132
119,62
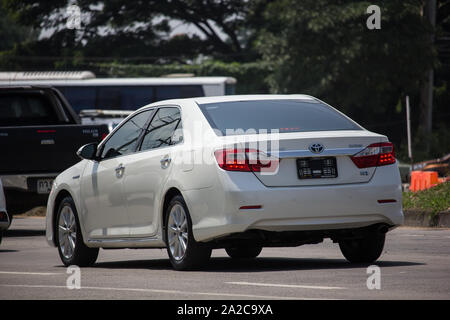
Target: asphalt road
415,265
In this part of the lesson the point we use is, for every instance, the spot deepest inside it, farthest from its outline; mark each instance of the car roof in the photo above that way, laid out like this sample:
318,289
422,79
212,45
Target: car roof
231,98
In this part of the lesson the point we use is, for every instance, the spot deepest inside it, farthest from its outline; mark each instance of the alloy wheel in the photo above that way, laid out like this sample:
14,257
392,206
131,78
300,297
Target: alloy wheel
177,232
67,232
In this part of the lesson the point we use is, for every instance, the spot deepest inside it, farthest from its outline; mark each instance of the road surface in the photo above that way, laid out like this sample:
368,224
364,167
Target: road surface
414,265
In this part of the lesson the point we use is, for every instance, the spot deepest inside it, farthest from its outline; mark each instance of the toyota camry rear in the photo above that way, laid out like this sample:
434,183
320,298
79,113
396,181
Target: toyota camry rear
234,172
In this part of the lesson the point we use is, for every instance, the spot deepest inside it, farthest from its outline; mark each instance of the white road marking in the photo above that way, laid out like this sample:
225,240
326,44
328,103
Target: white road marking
208,294
285,285
30,273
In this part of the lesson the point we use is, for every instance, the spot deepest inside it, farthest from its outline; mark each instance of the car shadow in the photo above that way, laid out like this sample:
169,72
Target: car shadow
7,250
262,264
23,233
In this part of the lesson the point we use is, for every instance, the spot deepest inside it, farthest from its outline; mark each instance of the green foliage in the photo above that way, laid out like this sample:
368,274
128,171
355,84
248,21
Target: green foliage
433,200
141,31
326,50
316,47
12,33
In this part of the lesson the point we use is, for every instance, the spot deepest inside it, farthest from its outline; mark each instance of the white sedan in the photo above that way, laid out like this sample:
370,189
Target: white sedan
233,172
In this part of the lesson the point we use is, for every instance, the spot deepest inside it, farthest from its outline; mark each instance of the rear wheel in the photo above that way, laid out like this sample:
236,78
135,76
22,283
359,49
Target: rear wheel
365,250
71,247
249,252
184,252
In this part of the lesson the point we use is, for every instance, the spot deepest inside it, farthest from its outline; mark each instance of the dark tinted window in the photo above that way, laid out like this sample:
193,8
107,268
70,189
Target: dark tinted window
18,109
282,115
164,129
124,140
230,89
125,97
136,97
80,97
177,92
109,98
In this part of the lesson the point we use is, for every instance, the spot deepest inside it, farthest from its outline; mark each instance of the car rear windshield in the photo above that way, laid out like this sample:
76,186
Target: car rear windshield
256,116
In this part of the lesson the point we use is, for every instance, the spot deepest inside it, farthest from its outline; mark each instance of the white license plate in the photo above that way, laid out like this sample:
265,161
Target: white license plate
44,185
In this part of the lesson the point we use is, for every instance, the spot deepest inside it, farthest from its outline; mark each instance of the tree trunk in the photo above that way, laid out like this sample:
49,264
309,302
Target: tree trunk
426,92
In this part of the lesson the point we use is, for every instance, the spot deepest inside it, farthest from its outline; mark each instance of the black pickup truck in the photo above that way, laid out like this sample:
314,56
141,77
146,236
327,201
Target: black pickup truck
39,137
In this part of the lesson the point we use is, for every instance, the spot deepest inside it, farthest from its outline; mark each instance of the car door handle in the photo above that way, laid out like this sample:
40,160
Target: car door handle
119,171
165,162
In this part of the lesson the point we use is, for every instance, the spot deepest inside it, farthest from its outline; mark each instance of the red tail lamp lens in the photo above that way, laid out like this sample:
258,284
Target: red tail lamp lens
375,155
245,160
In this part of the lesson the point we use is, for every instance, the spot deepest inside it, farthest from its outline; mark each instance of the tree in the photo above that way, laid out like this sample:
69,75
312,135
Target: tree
327,50
139,30
11,32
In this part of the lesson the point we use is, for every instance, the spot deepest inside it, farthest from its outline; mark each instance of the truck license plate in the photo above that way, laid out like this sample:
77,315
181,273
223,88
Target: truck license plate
44,185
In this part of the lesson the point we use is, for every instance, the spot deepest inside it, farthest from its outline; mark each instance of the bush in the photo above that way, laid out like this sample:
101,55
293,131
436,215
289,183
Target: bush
433,200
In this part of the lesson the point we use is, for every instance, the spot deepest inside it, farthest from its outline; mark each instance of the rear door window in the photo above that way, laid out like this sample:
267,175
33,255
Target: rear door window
164,130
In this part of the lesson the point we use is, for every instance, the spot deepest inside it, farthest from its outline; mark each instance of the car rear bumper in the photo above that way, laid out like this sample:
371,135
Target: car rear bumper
216,211
21,191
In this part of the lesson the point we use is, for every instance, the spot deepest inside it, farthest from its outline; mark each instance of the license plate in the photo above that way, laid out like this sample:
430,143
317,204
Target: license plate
317,168
44,185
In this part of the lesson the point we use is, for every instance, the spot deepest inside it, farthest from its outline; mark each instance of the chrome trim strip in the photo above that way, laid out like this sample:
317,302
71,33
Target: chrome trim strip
307,153
123,240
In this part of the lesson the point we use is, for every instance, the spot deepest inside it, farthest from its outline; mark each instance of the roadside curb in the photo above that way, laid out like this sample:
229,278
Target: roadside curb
418,218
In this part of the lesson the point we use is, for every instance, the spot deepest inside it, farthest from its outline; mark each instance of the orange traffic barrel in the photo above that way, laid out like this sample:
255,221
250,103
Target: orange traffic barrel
416,177
421,180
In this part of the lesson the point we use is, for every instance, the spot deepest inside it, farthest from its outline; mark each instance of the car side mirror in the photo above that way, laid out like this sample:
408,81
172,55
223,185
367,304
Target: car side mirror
88,151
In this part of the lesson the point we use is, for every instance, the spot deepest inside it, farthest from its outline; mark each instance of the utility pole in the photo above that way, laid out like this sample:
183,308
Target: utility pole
408,129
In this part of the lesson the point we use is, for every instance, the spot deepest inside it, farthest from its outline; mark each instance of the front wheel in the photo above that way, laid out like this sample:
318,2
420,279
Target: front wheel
365,250
184,252
10,217
249,252
71,247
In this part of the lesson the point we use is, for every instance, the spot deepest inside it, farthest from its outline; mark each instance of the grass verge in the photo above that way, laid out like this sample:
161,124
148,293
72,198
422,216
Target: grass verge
433,200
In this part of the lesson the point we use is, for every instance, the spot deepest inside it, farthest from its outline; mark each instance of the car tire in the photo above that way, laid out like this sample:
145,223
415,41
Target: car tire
69,239
365,250
10,217
1,236
184,252
247,252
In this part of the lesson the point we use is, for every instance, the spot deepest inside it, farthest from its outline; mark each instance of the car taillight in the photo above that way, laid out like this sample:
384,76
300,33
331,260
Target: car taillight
375,155
245,160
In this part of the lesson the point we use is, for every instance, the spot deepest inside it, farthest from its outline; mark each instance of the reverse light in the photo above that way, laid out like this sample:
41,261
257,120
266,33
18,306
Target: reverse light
375,155
246,160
